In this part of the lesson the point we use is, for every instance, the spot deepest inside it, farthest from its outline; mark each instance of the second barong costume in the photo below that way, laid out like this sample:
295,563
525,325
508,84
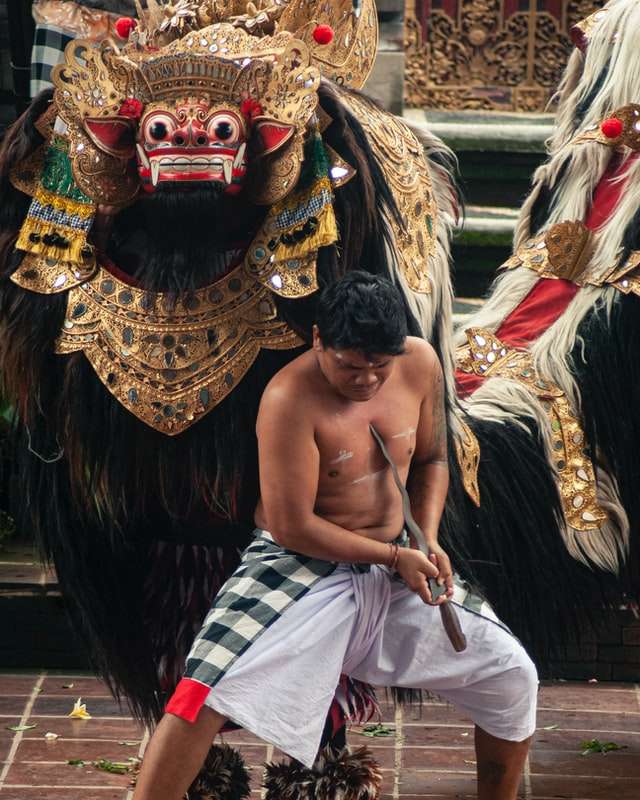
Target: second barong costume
285,627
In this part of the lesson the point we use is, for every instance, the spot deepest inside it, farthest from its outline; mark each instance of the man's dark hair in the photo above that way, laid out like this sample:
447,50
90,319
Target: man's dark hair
362,312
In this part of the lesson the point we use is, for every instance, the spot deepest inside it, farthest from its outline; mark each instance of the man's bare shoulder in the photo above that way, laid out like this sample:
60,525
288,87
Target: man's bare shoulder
291,387
420,362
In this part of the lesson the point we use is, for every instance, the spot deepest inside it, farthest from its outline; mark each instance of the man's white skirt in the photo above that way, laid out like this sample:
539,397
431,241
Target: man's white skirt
372,627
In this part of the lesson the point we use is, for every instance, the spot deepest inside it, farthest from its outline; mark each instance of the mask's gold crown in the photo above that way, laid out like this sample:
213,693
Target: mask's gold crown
346,57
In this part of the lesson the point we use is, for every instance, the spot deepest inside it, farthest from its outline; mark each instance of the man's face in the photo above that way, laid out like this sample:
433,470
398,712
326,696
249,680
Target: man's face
351,373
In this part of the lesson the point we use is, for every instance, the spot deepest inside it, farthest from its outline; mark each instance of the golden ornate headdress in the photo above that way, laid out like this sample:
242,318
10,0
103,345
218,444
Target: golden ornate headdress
345,56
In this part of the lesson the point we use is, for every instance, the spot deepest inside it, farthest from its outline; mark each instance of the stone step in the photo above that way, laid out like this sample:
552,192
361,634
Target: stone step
486,132
497,152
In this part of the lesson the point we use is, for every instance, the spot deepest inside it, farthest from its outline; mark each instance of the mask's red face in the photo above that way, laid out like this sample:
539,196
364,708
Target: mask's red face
192,141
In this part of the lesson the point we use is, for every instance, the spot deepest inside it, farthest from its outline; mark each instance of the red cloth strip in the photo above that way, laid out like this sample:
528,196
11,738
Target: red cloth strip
543,305
188,699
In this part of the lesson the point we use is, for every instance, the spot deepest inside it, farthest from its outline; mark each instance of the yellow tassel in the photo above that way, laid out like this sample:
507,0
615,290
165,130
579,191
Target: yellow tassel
71,207
325,234
32,228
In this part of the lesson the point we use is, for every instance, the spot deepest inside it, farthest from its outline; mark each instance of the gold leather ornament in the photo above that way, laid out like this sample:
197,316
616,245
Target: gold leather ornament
487,356
170,361
629,136
406,170
347,59
468,457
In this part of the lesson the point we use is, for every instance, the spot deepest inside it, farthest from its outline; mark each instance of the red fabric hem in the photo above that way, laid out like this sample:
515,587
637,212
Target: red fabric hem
188,699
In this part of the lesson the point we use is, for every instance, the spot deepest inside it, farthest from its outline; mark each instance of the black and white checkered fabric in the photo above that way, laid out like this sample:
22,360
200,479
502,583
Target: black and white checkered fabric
268,580
48,50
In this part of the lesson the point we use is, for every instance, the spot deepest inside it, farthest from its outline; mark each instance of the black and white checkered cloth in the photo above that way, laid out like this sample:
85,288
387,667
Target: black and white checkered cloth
268,580
48,50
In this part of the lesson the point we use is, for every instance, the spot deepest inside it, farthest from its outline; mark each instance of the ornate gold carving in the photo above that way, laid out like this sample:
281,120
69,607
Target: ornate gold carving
569,249
170,361
468,455
407,172
349,58
572,245
583,29
486,355
482,57
627,277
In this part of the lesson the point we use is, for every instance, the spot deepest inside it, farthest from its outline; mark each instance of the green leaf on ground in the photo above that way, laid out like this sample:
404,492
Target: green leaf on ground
21,727
378,729
76,762
117,767
596,746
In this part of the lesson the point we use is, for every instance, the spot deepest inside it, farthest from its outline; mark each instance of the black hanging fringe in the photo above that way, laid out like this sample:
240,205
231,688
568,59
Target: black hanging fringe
606,362
511,548
224,776
349,775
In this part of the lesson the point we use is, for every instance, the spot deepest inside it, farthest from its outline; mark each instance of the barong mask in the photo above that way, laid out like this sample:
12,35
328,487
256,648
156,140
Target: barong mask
206,107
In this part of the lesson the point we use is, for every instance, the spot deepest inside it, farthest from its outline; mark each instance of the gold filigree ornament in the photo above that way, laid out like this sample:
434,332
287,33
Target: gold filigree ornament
220,63
563,251
173,370
350,55
408,175
487,356
347,59
468,456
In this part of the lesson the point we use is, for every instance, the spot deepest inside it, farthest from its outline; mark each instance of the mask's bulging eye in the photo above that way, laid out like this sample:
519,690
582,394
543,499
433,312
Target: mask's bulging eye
158,131
158,128
225,128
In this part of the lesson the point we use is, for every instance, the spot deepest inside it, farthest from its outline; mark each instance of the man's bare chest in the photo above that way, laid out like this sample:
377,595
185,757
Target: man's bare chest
348,451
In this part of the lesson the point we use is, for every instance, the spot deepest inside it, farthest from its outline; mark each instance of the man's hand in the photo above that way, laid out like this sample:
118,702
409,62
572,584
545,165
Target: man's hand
415,568
438,557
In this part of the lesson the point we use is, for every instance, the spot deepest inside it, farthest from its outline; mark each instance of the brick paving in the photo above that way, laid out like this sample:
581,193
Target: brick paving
425,757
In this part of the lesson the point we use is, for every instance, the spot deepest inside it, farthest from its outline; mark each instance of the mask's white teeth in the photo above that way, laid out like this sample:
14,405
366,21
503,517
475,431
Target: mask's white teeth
228,168
240,155
155,172
142,156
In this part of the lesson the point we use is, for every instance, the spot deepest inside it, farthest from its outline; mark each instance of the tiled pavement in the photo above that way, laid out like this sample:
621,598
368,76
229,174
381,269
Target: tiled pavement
428,757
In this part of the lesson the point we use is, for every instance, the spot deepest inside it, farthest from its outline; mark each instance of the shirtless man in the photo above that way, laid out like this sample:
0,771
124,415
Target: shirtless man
325,588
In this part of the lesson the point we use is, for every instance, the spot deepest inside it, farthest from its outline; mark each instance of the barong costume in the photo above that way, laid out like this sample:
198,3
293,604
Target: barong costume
285,627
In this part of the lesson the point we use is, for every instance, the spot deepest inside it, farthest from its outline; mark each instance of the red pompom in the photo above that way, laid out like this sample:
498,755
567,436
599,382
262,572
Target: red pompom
124,26
323,34
612,127
250,109
132,108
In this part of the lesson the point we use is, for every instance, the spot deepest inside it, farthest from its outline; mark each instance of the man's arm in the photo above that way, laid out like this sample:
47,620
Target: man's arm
428,480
